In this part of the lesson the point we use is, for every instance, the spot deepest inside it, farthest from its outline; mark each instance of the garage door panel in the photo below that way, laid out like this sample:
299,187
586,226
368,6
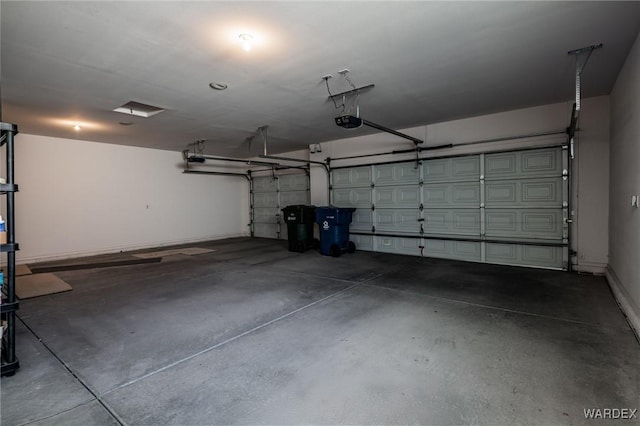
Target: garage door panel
398,245
447,249
541,192
547,162
296,182
352,197
266,215
398,196
265,230
451,169
351,177
361,220
362,242
454,222
265,199
265,184
396,174
524,223
294,198
397,220
524,255
451,195
523,164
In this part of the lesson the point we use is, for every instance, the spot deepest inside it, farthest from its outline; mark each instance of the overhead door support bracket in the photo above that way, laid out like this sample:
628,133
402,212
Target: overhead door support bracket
582,57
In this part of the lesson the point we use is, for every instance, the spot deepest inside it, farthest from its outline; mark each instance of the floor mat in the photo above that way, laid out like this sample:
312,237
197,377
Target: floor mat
191,251
20,270
35,285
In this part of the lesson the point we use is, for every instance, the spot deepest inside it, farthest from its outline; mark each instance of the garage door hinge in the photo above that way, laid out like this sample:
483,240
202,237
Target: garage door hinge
373,207
330,187
565,172
373,185
373,229
421,229
421,207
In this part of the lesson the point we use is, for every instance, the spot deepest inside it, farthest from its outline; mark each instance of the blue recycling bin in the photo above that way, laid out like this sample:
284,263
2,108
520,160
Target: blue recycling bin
333,224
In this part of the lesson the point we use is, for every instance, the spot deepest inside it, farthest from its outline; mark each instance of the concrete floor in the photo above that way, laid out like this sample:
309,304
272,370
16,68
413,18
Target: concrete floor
254,334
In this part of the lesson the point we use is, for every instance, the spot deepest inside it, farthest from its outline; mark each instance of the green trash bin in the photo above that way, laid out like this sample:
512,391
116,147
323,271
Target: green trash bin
300,220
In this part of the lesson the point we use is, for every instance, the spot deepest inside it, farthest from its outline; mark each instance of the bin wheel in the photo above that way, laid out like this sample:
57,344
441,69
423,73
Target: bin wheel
334,250
299,246
351,248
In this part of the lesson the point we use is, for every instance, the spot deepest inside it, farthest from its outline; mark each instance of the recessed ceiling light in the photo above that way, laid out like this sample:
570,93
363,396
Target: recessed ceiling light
246,41
139,109
76,127
218,86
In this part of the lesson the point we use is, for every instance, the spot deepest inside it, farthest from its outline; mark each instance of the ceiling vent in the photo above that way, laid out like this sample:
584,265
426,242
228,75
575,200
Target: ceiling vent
138,109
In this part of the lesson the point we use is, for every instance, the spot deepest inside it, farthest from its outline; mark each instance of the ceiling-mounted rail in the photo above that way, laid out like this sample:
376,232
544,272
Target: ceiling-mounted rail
353,122
263,132
297,160
207,172
199,158
446,146
393,132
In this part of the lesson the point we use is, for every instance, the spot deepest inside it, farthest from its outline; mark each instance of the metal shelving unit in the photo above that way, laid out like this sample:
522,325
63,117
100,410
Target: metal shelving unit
9,306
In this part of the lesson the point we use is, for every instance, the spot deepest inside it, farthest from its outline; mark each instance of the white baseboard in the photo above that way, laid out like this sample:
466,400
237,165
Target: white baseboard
626,303
73,255
590,268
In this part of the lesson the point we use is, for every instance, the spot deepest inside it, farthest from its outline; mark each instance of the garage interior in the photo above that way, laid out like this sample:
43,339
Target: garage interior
491,155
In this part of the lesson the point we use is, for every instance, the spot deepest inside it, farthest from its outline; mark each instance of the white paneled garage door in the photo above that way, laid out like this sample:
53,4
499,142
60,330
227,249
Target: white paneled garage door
506,207
269,194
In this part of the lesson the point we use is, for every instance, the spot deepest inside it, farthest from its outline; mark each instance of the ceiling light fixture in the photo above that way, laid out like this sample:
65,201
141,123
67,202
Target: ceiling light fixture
76,127
246,41
218,86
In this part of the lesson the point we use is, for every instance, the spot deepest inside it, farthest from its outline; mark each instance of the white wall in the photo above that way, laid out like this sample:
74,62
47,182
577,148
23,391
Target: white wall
624,220
591,167
80,198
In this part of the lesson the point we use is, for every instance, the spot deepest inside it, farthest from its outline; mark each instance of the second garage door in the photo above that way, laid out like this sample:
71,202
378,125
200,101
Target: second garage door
270,194
506,207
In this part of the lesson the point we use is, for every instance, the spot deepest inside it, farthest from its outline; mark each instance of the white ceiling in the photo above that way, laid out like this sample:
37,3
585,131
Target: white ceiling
67,62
